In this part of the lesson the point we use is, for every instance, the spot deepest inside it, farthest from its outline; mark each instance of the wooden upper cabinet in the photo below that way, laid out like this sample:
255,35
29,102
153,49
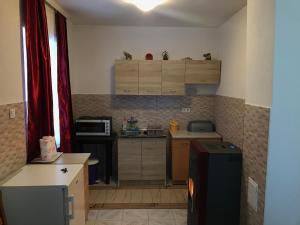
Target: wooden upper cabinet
150,73
202,72
126,77
173,77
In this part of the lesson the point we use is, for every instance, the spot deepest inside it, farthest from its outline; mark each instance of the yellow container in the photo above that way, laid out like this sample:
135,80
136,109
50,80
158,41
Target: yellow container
174,126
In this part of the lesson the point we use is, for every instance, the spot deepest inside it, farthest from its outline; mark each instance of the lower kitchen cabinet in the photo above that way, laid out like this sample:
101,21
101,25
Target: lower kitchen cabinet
180,154
153,159
180,160
129,159
141,159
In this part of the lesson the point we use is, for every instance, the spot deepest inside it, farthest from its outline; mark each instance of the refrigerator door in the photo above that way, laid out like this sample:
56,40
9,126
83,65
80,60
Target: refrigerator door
35,205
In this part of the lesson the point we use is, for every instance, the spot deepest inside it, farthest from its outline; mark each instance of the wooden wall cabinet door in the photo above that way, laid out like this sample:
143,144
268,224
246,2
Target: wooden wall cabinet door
180,160
202,72
126,77
150,73
154,159
129,159
173,77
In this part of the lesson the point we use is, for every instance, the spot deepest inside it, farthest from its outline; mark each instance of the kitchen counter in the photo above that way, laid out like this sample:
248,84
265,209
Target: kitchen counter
72,158
184,134
143,136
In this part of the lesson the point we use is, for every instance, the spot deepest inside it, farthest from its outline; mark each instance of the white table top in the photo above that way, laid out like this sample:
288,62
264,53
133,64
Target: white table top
43,175
72,158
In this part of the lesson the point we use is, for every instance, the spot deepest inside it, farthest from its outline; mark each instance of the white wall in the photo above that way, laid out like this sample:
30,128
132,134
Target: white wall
260,47
95,49
10,53
232,52
283,177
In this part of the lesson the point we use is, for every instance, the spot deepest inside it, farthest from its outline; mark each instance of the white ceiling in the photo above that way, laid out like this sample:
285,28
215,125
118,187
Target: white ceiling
203,13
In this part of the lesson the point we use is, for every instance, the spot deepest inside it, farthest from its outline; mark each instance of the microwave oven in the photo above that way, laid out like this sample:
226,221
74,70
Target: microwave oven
93,126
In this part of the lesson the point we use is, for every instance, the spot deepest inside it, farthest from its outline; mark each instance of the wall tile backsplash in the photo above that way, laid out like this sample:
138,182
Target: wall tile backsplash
229,118
255,154
247,127
12,140
147,109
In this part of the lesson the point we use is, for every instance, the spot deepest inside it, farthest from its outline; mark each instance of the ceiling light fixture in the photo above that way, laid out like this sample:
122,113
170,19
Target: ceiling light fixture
146,5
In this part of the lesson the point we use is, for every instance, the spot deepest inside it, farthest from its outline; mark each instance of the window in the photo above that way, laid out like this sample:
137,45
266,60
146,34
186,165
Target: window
53,55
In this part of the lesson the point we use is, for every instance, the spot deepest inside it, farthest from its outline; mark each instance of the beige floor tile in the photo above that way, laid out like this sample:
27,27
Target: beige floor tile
181,221
135,215
90,222
162,222
108,222
179,214
160,215
92,214
111,215
135,222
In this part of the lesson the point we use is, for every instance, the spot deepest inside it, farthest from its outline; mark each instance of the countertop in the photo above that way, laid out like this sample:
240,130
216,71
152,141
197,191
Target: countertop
184,134
72,158
43,175
143,136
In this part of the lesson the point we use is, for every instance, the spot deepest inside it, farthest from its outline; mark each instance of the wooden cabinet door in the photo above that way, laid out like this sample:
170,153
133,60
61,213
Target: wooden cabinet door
129,159
76,190
154,159
173,77
150,73
202,72
126,77
180,160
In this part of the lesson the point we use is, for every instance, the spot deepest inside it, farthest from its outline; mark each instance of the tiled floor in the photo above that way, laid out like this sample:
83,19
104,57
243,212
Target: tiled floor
138,217
145,195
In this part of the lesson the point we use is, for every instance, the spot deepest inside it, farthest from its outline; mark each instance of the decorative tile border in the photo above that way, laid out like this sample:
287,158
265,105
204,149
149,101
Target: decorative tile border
12,140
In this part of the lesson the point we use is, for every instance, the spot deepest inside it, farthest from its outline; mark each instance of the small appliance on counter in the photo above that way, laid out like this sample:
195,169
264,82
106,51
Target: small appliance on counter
130,127
154,130
214,184
48,151
201,126
93,126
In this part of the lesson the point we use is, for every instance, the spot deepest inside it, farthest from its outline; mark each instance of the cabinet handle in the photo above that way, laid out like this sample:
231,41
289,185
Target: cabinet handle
71,202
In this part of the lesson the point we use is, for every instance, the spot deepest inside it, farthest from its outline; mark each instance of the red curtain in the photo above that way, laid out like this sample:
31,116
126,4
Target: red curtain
40,112
64,87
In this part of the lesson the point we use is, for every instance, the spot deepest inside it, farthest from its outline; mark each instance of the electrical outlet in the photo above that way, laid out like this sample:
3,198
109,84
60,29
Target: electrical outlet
186,110
12,113
252,193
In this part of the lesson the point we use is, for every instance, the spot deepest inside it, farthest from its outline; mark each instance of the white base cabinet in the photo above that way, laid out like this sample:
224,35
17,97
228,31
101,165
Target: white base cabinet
45,195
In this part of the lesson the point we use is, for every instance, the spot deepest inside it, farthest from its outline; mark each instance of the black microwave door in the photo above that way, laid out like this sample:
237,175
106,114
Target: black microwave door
88,127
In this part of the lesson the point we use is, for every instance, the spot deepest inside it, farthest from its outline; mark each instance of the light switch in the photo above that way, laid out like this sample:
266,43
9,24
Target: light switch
12,113
252,193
